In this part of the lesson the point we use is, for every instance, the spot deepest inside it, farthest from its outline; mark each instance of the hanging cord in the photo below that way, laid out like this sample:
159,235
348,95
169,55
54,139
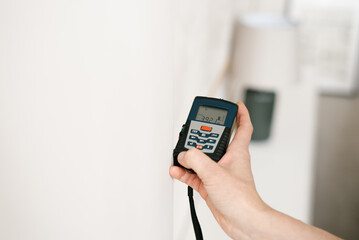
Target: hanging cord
218,81
215,85
196,225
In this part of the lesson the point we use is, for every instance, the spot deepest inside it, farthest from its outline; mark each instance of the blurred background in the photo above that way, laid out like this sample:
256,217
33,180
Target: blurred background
93,95
295,64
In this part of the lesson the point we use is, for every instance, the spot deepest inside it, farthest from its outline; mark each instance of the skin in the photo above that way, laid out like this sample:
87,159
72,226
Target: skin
230,193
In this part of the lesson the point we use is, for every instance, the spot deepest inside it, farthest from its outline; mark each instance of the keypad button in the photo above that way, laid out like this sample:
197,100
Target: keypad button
201,141
200,147
211,141
192,144
209,147
215,135
203,135
194,131
205,128
192,137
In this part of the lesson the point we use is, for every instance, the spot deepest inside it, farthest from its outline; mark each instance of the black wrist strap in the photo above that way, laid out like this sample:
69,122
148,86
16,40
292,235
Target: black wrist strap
196,226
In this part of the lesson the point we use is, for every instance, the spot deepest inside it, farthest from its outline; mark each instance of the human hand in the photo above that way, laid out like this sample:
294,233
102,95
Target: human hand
229,191
227,187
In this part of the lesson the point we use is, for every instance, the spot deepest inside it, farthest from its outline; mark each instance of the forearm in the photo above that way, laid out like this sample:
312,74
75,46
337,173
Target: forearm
274,225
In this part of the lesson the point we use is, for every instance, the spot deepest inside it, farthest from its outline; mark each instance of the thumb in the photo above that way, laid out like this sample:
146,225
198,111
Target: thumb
199,162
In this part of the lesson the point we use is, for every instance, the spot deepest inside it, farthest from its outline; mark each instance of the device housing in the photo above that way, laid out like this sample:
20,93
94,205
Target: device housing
224,131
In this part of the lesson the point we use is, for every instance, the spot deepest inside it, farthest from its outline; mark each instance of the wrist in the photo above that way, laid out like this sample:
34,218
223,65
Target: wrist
255,224
263,225
266,225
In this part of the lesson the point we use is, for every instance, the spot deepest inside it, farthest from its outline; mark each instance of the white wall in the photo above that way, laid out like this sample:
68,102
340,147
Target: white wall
86,116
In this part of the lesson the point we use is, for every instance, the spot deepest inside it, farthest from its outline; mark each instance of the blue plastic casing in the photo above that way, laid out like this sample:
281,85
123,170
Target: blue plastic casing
217,103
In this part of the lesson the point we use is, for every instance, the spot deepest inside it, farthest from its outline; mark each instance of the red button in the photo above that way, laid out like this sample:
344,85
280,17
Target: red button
205,128
199,147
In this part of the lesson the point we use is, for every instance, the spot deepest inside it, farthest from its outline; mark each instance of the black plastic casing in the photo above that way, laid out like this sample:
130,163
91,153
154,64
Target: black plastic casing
230,121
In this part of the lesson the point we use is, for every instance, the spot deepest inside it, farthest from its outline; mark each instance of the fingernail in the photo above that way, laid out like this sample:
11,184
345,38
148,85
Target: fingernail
180,156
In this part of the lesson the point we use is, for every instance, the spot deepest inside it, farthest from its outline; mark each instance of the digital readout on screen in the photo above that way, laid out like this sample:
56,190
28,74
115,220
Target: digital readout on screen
211,115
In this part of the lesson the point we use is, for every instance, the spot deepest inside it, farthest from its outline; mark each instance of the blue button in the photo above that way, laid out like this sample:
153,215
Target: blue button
192,144
192,137
211,141
209,147
203,135
194,131
215,135
201,141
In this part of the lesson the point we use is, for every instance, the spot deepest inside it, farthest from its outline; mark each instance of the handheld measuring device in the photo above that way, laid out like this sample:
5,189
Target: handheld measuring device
208,127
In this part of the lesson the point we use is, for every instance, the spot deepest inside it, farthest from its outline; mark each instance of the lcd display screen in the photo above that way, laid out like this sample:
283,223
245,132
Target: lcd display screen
211,115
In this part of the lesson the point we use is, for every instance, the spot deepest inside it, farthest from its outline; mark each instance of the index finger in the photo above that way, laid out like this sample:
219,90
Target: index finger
244,131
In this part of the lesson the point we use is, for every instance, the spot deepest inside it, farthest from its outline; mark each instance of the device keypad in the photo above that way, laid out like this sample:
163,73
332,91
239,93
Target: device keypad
203,136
